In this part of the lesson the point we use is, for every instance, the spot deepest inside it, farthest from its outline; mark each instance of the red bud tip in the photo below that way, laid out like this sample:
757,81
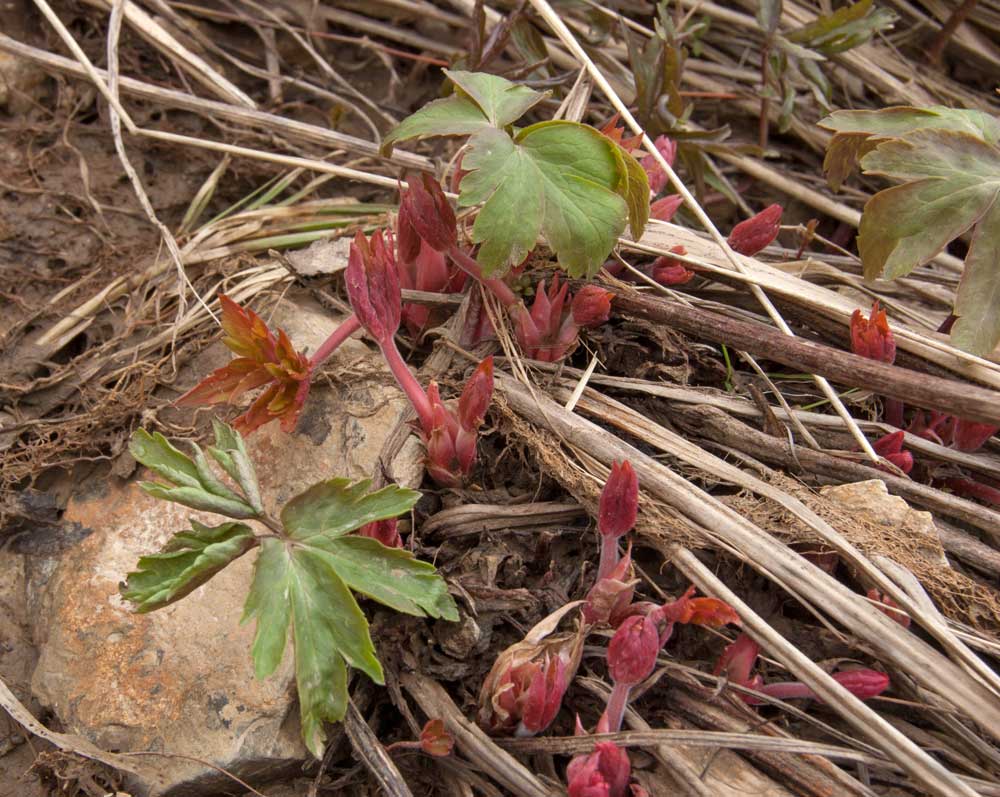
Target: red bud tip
435,739
385,531
738,660
863,684
476,395
591,306
632,651
664,209
971,436
889,607
871,337
603,773
373,285
657,177
619,501
425,213
668,271
750,236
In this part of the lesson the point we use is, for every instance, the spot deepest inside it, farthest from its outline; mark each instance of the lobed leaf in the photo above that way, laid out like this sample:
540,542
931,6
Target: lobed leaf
856,133
186,562
231,453
336,506
451,116
156,453
558,178
501,101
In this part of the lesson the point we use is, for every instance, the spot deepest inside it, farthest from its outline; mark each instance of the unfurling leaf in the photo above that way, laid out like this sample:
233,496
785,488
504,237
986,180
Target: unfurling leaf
559,179
186,562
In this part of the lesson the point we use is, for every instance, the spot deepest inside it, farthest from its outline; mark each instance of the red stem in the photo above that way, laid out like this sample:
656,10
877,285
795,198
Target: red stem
497,287
609,556
616,707
347,327
408,382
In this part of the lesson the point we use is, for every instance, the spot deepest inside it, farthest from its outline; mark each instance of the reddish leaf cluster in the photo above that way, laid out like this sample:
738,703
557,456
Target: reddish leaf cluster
263,358
549,330
602,773
871,337
668,271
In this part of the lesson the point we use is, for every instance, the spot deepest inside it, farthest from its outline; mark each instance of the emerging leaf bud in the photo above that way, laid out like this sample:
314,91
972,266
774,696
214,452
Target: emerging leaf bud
425,213
373,285
889,607
523,691
610,598
619,503
890,446
667,147
632,651
384,531
863,684
603,773
738,660
871,337
971,436
435,739
664,209
591,306
668,271
750,236
687,609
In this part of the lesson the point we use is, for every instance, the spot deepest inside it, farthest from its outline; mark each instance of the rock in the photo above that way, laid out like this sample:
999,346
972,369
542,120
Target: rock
869,501
180,681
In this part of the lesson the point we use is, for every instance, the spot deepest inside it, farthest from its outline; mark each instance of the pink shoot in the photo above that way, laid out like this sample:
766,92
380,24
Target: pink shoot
617,512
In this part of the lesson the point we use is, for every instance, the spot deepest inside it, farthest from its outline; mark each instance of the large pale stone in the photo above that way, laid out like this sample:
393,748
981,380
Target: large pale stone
180,680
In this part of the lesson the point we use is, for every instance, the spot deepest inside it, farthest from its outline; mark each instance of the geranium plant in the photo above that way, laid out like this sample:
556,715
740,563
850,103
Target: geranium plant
308,564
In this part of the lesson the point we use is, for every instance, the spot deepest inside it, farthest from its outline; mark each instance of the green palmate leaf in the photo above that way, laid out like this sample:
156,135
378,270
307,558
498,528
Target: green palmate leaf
295,585
952,185
186,562
336,506
555,178
501,101
305,582
857,133
192,482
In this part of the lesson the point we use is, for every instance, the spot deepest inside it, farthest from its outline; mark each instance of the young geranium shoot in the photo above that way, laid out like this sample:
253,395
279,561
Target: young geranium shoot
308,564
738,660
632,656
871,337
263,358
602,773
617,512
549,330
750,236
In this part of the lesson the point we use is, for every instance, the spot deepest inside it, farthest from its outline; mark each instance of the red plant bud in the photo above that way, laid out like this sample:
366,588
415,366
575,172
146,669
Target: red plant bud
384,531
424,212
524,689
871,337
603,773
591,306
664,209
435,739
750,236
668,271
373,285
610,598
738,660
890,446
971,436
619,503
889,607
428,271
657,177
863,684
632,651
475,399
